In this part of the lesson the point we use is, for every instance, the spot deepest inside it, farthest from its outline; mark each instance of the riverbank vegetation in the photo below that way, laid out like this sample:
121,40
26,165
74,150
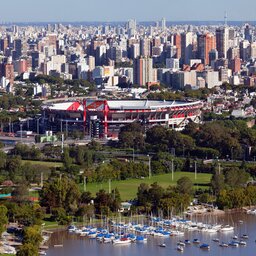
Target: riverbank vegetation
159,171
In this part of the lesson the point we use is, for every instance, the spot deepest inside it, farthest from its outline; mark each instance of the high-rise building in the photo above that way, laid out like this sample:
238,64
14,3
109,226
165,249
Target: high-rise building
132,24
245,48
248,33
186,47
91,63
21,66
157,41
100,58
253,50
172,63
3,44
222,41
171,51
52,40
213,56
163,23
235,65
143,71
18,48
9,72
135,51
35,60
177,43
233,52
205,43
145,47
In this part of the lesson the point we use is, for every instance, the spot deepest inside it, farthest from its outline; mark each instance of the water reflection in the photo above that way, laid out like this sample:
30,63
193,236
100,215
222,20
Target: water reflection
73,245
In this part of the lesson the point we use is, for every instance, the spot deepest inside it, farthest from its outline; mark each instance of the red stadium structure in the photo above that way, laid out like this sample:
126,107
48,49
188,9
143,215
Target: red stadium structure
103,118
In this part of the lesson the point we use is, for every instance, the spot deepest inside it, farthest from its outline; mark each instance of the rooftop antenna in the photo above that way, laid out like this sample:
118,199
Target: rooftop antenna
226,19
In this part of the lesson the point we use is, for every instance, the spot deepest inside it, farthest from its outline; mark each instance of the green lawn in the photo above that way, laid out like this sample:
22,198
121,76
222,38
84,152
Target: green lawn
128,188
47,164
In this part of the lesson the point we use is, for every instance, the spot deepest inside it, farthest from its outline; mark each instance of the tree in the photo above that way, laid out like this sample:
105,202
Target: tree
205,198
67,160
102,202
223,200
86,211
20,193
86,197
185,186
13,166
217,182
2,160
60,215
131,136
116,200
3,218
28,215
155,193
235,177
142,194
32,235
157,137
60,192
28,250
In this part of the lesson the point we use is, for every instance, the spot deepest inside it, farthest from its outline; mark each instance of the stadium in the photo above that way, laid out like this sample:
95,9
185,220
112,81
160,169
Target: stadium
103,118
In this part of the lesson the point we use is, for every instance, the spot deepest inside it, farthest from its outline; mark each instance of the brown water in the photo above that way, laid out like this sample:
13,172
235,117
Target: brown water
73,245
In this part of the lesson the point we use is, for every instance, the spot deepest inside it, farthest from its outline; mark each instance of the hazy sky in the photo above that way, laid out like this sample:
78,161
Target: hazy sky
119,10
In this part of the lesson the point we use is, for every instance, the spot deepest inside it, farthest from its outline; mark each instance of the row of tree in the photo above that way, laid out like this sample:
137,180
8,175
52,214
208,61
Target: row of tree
231,139
173,200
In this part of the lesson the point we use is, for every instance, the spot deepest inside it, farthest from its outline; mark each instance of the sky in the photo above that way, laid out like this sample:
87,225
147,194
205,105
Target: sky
120,10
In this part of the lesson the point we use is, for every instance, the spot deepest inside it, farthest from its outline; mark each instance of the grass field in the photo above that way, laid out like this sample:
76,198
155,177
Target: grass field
46,164
128,188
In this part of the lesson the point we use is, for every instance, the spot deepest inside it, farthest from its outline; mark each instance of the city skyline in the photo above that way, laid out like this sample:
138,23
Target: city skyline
113,10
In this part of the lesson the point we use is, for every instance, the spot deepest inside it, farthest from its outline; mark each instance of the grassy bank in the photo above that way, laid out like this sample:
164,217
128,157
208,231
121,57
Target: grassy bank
128,188
43,163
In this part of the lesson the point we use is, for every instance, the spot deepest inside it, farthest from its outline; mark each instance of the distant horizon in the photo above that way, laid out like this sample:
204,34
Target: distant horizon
123,21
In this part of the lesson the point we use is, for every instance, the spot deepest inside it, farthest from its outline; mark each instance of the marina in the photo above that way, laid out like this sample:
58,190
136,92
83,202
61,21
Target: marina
140,239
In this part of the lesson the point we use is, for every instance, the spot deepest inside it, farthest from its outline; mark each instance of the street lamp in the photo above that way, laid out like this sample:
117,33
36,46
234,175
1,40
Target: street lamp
149,166
172,170
21,131
10,125
195,170
84,184
37,127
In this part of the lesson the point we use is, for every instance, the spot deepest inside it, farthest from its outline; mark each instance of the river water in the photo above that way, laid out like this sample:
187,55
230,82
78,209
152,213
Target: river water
73,245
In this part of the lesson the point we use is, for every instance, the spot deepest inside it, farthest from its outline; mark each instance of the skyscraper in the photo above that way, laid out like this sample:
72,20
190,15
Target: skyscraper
100,56
213,56
91,62
186,47
177,43
163,23
205,43
3,44
18,48
245,48
143,71
145,47
248,33
131,24
9,72
222,38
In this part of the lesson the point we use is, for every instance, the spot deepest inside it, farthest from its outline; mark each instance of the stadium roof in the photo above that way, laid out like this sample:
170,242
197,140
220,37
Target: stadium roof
121,104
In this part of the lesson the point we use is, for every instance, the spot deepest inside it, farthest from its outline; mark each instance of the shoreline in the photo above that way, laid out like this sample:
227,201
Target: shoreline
216,212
